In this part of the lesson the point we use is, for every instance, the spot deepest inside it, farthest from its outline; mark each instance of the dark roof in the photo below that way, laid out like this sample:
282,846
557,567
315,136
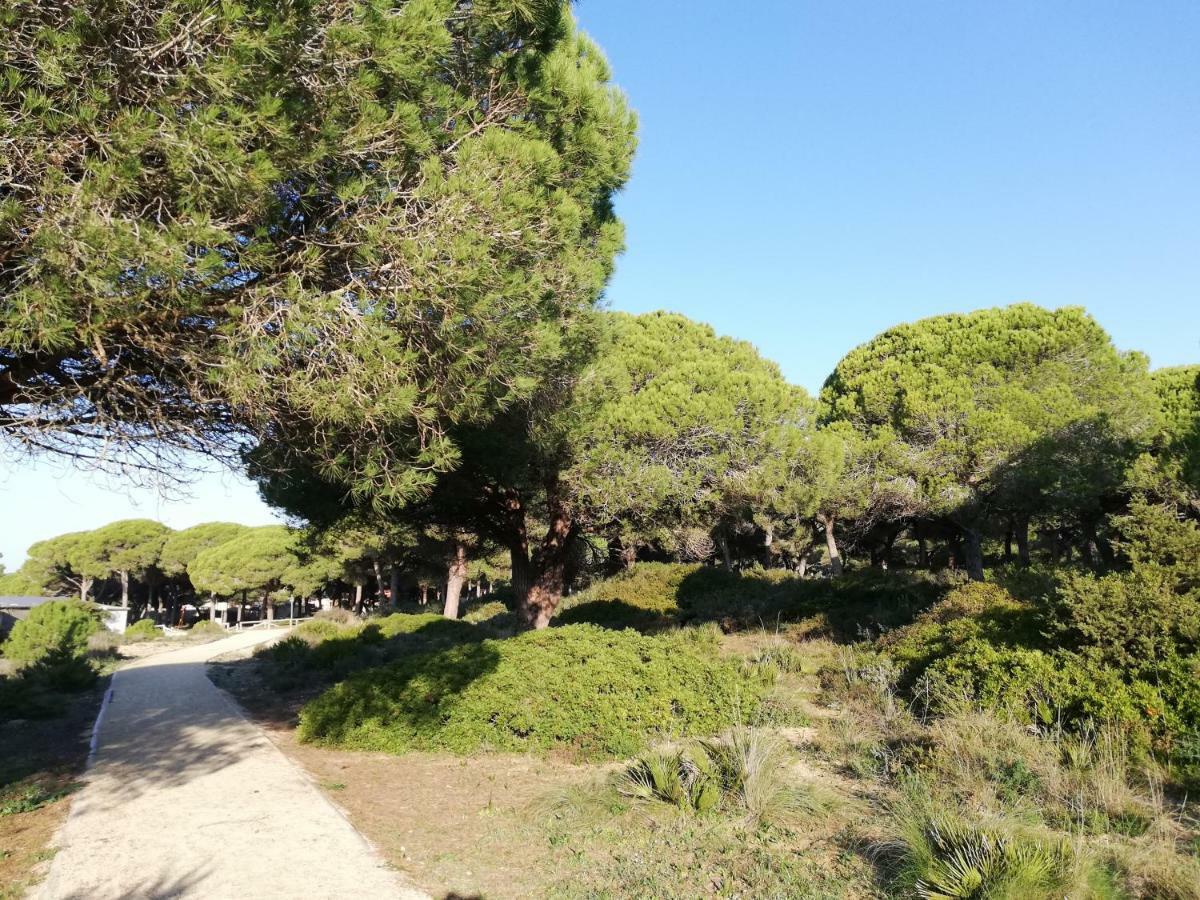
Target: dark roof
19,602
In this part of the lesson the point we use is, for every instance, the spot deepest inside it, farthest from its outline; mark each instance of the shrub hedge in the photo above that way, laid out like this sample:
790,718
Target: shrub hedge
597,691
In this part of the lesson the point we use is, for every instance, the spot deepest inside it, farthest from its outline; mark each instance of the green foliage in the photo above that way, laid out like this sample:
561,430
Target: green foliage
1022,409
644,597
973,611
671,421
20,584
52,631
182,547
651,596
1178,392
142,630
30,798
261,560
599,692
369,218
129,545
323,649
946,858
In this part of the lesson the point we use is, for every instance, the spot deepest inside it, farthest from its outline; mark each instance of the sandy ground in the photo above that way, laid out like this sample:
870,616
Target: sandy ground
186,798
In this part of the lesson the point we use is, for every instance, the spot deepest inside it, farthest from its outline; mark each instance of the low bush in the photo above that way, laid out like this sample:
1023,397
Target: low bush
974,611
38,690
323,650
103,643
600,692
938,853
651,596
57,630
337,615
142,630
644,597
207,626
493,613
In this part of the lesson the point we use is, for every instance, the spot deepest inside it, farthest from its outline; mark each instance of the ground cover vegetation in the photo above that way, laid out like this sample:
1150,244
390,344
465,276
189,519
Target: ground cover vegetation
358,251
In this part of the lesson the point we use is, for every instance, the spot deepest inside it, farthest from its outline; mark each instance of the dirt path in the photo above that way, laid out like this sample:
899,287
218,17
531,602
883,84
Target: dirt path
185,798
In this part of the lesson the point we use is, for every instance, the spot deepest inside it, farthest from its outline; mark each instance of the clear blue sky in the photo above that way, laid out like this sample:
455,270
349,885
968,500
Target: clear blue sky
812,173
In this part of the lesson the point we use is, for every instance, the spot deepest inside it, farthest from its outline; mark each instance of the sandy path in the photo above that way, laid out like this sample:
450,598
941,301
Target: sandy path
185,798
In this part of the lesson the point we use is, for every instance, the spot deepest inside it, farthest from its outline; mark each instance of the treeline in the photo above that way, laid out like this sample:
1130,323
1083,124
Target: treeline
1015,435
157,572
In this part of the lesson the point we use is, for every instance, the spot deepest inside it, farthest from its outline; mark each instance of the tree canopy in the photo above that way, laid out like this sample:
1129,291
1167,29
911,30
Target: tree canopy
308,219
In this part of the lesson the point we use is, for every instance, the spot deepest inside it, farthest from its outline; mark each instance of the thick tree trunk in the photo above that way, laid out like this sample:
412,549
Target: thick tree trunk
268,608
1021,529
973,553
802,568
212,607
85,587
835,559
545,578
395,587
456,576
358,599
125,590
1008,543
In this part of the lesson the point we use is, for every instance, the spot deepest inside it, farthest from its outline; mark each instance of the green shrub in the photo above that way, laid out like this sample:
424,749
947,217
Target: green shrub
337,615
974,611
58,630
1129,620
143,630
321,649
493,613
596,690
948,858
1040,687
644,597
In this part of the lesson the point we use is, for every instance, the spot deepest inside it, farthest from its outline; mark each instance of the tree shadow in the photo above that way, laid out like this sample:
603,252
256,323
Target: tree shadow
852,607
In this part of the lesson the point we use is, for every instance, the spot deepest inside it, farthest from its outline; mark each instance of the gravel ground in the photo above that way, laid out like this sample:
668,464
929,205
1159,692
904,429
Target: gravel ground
186,798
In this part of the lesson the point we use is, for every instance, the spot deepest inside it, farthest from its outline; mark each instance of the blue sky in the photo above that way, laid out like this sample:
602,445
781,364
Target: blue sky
812,173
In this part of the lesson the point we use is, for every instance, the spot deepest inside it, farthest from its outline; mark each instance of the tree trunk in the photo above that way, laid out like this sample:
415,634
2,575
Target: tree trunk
125,589
268,608
85,587
395,587
802,568
1008,543
973,552
922,550
212,607
358,598
545,578
1021,532
723,544
377,568
835,559
456,575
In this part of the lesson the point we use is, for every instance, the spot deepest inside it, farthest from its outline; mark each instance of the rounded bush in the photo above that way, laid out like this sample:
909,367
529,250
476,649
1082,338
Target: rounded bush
56,630
142,630
598,691
207,626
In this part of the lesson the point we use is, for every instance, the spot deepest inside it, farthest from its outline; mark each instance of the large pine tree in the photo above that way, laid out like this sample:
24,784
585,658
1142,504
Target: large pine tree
342,224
